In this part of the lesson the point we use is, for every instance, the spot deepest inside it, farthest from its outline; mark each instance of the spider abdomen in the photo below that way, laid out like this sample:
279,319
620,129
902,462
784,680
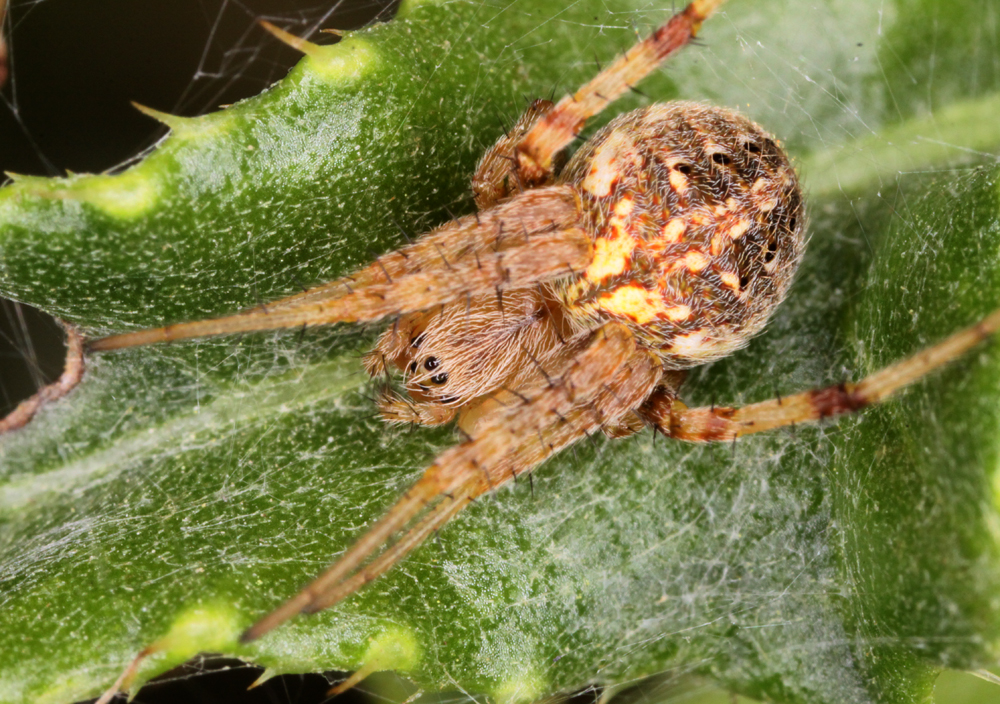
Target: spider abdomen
697,220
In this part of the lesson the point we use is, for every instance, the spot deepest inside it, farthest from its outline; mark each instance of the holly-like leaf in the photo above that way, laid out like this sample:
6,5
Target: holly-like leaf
181,491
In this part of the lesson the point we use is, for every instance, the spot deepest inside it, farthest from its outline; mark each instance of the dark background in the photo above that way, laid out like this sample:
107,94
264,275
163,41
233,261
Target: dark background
75,67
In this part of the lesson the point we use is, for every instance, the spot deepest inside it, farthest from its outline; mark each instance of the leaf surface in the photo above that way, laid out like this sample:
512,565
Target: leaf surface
184,490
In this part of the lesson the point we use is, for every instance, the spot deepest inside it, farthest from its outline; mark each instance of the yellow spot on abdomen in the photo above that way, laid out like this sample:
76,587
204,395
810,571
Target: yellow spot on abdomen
674,230
604,166
610,258
690,345
623,208
738,229
611,253
678,181
678,314
730,279
633,302
716,244
695,261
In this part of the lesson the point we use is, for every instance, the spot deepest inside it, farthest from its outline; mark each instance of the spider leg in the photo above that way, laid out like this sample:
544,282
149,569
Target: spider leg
67,381
497,177
602,376
124,681
448,508
558,127
396,408
529,238
722,424
540,210
397,344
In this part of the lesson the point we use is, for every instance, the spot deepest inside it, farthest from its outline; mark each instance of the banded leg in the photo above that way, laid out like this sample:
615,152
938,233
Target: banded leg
602,377
530,238
562,124
675,420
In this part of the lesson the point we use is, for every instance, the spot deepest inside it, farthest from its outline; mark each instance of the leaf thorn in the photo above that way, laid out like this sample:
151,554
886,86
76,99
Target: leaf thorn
297,43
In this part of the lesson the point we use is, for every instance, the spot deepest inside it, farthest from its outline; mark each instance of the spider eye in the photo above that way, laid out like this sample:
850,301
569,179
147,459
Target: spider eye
752,147
744,280
413,367
431,363
684,168
439,378
721,159
415,342
792,223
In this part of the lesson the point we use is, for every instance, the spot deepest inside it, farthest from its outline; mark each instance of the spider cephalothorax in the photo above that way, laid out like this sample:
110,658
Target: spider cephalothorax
572,301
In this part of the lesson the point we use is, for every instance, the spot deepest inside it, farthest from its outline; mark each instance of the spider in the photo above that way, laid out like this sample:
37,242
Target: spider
572,302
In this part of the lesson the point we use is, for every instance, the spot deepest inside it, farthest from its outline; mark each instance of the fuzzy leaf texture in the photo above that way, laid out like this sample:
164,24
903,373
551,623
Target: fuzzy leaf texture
185,490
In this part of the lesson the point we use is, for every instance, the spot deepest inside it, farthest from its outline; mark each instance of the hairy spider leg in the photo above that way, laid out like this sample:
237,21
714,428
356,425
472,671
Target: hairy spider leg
67,381
603,377
125,679
721,424
538,210
497,175
530,238
562,124
538,443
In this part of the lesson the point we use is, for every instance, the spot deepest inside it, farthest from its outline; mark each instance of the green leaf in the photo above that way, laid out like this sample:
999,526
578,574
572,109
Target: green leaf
181,491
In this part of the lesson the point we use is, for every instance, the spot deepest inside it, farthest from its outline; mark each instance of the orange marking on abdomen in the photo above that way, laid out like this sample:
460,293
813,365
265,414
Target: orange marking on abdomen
674,230
695,261
623,208
610,258
633,302
730,279
691,344
717,244
678,181
611,253
738,229
604,167
678,314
